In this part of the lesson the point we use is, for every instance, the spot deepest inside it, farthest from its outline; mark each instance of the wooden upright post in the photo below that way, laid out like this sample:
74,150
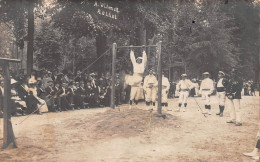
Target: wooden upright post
159,109
8,134
113,91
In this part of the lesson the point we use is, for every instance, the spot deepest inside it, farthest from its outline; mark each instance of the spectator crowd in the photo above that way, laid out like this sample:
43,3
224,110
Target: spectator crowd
47,91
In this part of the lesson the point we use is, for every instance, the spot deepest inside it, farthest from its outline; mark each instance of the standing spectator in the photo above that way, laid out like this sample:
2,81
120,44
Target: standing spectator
206,89
127,87
150,88
252,86
183,87
221,92
118,91
255,153
165,90
233,92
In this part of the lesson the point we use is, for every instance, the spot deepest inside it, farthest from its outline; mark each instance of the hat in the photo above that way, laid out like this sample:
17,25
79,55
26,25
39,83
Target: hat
206,73
183,75
13,81
221,72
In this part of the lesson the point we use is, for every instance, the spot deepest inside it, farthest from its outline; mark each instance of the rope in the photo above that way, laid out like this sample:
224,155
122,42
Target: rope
196,101
28,115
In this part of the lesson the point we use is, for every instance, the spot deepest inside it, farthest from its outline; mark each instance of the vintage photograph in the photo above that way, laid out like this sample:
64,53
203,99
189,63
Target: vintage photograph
130,80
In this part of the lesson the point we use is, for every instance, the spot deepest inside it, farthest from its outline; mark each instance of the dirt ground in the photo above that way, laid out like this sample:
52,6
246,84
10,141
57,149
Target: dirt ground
109,135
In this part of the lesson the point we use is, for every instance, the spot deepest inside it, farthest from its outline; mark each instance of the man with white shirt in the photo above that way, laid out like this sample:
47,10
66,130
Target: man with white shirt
139,65
206,89
183,87
165,90
221,92
150,88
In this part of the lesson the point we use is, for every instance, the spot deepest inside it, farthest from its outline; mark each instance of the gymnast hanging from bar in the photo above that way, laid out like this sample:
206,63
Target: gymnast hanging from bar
135,81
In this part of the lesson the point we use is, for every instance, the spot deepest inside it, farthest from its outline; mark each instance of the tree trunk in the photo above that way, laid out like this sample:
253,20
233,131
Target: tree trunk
101,47
30,37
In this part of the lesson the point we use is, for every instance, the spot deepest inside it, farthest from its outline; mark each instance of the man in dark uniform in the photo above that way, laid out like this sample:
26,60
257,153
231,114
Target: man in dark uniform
233,92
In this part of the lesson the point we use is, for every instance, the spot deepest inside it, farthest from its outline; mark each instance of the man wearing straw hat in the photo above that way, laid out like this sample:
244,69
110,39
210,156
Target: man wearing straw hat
206,89
183,86
150,88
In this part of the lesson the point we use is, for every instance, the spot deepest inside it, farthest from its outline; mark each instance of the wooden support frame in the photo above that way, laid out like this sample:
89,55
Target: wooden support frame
158,47
136,46
8,134
113,91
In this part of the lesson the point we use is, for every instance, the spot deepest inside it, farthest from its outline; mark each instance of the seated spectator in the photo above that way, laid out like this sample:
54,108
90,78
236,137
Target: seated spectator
49,94
56,96
63,95
70,94
80,96
41,105
17,104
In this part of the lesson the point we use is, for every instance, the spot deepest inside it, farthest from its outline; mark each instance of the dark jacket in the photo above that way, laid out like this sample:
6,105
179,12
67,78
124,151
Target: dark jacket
233,88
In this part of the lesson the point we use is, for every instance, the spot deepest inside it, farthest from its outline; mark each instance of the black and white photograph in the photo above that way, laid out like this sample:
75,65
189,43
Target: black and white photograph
130,80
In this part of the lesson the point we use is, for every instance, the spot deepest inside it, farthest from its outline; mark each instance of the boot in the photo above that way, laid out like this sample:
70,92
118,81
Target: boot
253,153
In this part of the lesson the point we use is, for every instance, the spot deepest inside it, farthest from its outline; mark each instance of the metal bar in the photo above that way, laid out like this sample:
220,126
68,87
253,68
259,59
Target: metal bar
136,46
112,104
9,60
159,109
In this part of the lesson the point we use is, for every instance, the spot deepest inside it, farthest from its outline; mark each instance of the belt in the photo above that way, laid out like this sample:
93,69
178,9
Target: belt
220,89
206,89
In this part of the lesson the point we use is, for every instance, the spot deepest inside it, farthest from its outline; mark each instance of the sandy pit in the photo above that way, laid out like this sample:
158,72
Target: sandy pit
120,134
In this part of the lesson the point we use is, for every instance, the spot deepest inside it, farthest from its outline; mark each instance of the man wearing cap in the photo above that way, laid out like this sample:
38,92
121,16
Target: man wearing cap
221,92
183,86
138,70
150,83
206,89
233,92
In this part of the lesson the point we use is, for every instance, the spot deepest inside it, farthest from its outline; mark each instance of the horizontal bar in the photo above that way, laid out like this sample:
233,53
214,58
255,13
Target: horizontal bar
9,60
136,46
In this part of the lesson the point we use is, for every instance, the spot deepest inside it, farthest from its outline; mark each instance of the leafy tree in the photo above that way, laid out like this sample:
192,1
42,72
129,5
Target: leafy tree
48,47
